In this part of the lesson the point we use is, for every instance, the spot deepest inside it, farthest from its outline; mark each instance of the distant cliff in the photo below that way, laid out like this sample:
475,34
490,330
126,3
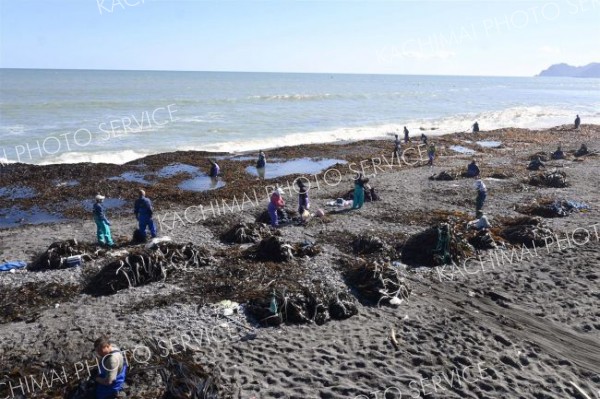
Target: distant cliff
587,71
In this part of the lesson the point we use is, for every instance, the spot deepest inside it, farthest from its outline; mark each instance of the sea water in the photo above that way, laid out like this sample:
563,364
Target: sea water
67,116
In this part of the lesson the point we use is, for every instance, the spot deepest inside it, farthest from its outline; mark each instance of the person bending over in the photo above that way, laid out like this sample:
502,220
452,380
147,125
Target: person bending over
143,213
112,371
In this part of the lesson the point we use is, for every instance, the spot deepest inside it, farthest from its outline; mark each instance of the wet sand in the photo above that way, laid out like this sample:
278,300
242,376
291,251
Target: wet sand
528,328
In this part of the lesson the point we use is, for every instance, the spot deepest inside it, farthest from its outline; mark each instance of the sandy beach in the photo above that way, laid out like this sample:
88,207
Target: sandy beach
528,327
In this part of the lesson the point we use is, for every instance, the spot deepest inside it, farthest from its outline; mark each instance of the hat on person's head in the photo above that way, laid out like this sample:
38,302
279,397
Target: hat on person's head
100,197
141,192
279,190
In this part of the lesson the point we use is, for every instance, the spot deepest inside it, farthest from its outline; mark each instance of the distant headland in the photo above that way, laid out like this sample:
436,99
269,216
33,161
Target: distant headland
591,70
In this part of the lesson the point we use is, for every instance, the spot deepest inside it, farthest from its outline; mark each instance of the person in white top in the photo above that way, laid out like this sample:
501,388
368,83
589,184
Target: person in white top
481,194
480,223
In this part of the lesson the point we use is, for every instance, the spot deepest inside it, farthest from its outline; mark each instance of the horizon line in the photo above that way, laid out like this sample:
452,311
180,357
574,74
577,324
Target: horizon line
265,72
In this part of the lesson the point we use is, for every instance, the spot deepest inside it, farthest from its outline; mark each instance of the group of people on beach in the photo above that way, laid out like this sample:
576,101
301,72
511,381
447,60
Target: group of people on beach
142,209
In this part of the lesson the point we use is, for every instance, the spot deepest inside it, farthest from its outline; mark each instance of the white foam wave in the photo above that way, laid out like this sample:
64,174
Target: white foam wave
519,117
115,157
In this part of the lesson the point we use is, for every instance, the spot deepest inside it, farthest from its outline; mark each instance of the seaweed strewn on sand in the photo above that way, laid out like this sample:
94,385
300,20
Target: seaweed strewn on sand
344,305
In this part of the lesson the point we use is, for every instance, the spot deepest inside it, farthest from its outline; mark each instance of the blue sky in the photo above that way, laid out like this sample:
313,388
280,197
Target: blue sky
505,38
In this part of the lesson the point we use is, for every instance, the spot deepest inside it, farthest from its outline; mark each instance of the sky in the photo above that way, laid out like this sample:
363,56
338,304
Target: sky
490,38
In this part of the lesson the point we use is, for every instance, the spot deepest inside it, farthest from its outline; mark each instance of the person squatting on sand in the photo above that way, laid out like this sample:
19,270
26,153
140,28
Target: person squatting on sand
102,223
473,169
577,122
475,127
583,150
143,213
358,199
558,154
112,369
481,195
480,223
276,202
303,203
423,138
535,164
431,154
261,165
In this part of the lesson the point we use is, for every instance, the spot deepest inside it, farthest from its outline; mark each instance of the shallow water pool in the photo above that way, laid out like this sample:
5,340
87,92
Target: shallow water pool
302,165
462,150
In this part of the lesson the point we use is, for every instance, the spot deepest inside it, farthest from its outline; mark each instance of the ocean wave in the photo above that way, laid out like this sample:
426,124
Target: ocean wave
294,97
534,117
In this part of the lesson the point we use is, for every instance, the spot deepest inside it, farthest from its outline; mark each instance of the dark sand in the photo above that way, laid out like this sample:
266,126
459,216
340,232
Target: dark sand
526,329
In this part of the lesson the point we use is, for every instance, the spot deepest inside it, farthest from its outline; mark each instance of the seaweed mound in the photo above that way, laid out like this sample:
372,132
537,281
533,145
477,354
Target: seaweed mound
364,244
482,240
316,304
549,179
145,266
55,256
438,245
443,176
548,208
272,248
528,231
376,282
243,233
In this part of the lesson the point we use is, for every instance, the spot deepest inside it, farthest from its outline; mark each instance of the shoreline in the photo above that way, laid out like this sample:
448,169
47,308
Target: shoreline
431,132
530,322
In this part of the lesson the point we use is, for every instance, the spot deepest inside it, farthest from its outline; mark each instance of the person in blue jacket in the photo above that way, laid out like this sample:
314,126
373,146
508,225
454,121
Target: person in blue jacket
102,223
473,169
112,369
143,213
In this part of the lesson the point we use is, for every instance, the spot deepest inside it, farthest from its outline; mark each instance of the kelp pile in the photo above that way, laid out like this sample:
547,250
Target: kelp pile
554,179
367,244
274,249
144,266
276,292
55,256
551,208
376,282
528,231
443,176
243,233
315,304
481,239
440,244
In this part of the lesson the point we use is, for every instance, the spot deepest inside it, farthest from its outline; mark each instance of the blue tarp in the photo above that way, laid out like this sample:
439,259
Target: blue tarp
15,264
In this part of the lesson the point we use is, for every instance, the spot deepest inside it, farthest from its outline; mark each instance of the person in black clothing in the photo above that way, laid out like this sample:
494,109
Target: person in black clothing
303,203
475,127
406,138
577,122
